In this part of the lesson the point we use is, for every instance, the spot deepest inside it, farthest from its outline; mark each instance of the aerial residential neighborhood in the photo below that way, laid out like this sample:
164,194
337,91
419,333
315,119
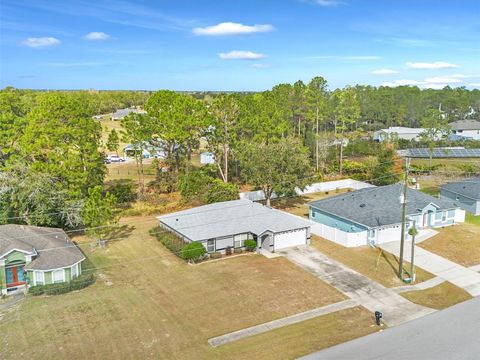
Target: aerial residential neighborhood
235,180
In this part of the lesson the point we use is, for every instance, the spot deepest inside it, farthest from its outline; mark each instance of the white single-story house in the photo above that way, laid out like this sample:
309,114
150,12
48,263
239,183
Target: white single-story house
373,216
148,151
469,129
465,193
227,224
398,132
121,113
33,255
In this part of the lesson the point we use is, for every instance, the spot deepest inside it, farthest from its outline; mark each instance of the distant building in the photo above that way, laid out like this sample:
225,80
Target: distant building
465,193
207,158
397,132
469,129
120,114
148,151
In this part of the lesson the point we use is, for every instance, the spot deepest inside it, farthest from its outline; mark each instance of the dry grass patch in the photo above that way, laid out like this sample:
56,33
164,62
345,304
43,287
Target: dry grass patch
459,243
303,338
374,263
299,205
438,297
148,303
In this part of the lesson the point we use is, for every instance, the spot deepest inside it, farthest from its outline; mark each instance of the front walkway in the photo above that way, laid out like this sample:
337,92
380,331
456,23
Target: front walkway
368,293
275,324
463,277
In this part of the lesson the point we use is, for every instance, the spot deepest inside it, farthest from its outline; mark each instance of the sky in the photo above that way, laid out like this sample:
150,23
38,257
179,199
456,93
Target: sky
243,45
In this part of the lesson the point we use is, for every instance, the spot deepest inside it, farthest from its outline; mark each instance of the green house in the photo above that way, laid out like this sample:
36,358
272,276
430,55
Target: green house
32,255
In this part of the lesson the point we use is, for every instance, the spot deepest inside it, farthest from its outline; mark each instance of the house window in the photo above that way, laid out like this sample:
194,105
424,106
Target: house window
211,245
39,278
239,240
74,271
444,216
58,276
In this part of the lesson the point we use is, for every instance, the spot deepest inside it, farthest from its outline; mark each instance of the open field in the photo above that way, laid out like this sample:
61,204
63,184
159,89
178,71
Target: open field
459,243
128,171
107,126
374,263
299,205
147,303
438,297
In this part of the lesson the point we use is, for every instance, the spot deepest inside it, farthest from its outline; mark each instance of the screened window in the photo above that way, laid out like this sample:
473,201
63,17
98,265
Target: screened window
39,279
74,271
211,245
239,240
58,276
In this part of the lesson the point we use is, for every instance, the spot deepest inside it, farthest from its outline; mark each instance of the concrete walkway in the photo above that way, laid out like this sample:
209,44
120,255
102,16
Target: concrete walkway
275,324
463,277
420,286
12,300
368,293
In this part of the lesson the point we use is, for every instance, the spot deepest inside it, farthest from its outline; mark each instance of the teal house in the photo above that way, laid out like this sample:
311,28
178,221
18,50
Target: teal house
374,215
32,255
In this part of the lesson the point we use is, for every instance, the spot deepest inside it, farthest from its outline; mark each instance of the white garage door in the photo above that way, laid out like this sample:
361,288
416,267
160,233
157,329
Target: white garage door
388,234
290,238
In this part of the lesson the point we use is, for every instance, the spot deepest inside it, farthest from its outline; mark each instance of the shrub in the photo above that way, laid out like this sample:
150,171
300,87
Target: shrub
170,241
123,191
229,250
250,245
78,283
238,251
193,251
220,191
216,255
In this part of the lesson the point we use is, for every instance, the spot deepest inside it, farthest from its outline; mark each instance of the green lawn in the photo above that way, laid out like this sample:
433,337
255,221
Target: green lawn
148,303
438,297
474,220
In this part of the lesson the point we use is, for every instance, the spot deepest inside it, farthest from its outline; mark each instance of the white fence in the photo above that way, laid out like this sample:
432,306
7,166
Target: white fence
339,236
313,188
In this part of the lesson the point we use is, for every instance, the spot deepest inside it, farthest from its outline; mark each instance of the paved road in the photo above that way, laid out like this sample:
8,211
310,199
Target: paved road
448,334
370,294
461,276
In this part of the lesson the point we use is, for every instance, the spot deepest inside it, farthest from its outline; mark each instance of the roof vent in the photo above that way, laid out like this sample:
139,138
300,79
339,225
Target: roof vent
362,205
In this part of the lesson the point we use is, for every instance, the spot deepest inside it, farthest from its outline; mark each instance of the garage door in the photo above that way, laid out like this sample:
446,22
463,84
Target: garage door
389,234
290,238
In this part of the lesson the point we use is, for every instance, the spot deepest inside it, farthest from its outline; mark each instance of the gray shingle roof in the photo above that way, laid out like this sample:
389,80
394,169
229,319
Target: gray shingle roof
53,247
121,113
378,206
465,125
229,218
469,188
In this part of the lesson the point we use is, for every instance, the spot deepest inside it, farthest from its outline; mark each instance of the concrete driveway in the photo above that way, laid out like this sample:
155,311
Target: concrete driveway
370,294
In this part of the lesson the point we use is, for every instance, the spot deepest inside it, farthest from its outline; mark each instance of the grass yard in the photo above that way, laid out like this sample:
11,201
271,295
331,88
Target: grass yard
378,265
474,220
459,243
147,303
438,297
306,337
299,205
107,126
128,171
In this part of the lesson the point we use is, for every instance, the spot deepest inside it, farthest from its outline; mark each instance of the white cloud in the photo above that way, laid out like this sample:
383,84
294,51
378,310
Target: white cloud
75,64
475,85
384,72
432,65
42,42
328,2
241,55
96,36
402,82
443,80
230,28
435,86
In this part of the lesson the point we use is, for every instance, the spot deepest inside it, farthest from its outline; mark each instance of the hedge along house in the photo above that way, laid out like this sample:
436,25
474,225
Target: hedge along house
32,255
465,193
374,216
228,224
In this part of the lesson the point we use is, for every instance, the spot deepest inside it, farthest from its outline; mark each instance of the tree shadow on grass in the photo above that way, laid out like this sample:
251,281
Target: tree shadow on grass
393,264
120,232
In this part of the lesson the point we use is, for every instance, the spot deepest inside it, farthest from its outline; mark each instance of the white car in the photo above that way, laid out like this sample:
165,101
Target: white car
115,158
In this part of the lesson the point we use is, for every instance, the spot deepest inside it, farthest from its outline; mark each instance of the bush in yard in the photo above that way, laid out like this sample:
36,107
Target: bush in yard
193,251
123,191
238,251
219,191
78,283
216,255
250,244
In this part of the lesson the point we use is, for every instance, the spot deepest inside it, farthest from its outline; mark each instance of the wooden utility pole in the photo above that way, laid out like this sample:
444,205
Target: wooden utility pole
404,215
412,262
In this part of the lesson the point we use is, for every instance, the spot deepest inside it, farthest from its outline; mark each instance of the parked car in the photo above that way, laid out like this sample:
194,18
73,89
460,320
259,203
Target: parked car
115,158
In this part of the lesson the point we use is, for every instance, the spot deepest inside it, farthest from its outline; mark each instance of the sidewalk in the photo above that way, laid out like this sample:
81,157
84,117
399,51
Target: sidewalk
275,324
463,277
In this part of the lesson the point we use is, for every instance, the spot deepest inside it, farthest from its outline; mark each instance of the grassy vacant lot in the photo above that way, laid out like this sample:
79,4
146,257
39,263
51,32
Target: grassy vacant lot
470,219
147,303
438,297
299,205
459,243
107,126
128,171
374,263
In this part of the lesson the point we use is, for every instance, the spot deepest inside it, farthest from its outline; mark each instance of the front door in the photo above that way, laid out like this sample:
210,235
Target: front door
15,276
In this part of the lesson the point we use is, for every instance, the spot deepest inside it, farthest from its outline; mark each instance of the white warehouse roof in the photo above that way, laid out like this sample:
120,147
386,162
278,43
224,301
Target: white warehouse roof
230,218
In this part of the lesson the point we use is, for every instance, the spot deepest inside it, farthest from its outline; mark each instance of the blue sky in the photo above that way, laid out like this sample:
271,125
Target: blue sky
238,45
